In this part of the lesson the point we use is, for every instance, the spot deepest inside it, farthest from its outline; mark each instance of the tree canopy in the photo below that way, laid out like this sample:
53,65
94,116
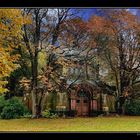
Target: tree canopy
11,22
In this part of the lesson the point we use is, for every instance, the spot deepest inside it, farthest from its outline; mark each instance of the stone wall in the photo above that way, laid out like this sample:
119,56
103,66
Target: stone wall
56,101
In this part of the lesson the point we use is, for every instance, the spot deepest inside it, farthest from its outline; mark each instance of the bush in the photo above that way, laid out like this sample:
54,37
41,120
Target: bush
71,113
61,113
13,108
132,107
49,114
3,102
96,113
58,113
28,115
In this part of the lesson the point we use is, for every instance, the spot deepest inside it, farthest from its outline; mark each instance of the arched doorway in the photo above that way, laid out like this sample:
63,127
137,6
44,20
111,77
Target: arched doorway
84,98
82,103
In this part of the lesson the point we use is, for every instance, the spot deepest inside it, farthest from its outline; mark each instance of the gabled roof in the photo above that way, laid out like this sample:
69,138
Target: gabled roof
105,88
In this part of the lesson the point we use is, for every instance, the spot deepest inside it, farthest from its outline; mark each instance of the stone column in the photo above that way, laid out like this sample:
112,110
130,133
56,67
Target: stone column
105,107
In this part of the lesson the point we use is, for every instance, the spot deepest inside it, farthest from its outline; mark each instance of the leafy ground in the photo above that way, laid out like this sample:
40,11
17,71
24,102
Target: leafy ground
75,124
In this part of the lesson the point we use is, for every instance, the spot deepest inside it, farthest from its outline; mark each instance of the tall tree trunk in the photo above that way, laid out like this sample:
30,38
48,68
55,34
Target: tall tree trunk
44,102
34,106
34,86
121,73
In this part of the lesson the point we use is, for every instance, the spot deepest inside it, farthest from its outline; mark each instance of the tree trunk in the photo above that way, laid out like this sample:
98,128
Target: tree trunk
44,102
34,85
34,105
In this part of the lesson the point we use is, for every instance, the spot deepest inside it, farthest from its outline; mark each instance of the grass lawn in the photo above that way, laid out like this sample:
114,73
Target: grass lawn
75,124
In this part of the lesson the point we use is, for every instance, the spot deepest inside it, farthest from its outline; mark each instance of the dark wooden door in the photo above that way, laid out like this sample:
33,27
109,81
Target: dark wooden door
82,106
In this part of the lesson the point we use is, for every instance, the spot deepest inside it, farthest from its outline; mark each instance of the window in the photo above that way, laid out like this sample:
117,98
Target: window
77,101
82,94
85,101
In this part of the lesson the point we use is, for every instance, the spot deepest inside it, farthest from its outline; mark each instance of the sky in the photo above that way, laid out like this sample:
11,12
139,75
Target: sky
86,13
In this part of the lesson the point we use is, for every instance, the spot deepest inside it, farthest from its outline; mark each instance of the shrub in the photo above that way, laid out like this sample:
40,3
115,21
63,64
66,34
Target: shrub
49,114
132,107
28,115
3,102
14,108
96,113
58,113
71,113
61,113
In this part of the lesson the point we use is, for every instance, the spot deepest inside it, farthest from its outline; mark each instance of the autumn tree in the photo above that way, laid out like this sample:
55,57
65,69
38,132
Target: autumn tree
32,39
55,71
58,65
11,22
79,43
119,32
42,33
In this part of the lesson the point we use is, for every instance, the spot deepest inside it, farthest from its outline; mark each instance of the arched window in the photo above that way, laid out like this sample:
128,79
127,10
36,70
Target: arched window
82,93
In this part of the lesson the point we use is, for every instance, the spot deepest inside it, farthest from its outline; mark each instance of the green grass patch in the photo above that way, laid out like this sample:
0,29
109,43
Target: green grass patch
96,124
